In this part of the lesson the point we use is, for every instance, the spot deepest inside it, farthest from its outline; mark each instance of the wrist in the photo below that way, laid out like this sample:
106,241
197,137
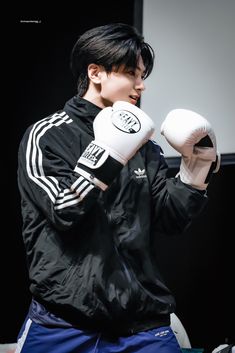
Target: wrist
197,171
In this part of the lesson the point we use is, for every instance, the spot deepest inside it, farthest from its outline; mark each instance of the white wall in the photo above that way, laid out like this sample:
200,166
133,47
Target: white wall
194,43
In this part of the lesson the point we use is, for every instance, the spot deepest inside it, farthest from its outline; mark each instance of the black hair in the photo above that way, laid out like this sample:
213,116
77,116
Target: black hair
111,46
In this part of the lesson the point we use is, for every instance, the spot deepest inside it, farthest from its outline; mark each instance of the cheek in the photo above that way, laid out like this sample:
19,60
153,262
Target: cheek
113,88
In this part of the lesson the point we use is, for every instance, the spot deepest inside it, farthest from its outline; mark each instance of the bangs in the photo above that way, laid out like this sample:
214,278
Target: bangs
148,56
128,56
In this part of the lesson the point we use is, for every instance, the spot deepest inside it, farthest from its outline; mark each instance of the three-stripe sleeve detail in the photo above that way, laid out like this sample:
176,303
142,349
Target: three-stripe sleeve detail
34,166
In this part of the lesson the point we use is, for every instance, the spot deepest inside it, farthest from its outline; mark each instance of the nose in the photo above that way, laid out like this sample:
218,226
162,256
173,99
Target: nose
140,86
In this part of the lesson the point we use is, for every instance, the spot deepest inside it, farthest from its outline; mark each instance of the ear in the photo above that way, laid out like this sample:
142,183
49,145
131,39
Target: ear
94,73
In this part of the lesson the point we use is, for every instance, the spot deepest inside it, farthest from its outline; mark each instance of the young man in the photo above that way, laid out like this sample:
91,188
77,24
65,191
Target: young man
95,197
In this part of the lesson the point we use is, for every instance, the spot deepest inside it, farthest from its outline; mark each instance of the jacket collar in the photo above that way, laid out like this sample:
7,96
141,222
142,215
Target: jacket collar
80,108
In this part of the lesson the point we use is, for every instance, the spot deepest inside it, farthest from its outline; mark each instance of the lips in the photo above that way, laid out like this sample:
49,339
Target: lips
134,97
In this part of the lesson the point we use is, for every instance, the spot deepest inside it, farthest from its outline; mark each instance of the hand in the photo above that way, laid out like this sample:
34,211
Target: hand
119,132
193,137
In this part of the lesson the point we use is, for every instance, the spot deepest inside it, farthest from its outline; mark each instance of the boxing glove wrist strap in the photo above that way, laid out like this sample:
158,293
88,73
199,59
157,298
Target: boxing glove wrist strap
99,166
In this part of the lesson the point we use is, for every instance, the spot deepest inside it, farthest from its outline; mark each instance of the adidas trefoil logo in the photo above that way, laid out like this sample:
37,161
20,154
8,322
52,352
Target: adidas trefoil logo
140,173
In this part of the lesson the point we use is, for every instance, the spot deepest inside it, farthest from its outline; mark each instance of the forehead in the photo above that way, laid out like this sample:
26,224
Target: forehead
139,66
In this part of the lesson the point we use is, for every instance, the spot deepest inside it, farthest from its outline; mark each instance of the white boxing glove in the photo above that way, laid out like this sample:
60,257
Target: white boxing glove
193,137
119,132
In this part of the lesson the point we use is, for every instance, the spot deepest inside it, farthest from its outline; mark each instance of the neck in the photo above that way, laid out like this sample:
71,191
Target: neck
93,95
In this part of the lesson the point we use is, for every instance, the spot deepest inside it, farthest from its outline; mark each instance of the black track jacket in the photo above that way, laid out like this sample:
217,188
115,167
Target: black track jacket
91,253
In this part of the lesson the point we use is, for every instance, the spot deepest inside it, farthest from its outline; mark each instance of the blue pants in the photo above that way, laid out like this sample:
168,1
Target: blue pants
35,338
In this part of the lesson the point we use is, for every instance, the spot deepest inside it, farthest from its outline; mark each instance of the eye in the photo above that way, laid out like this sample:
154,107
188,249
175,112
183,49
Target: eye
131,72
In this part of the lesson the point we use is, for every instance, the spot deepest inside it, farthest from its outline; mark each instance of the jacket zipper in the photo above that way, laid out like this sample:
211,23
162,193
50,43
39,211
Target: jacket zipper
128,274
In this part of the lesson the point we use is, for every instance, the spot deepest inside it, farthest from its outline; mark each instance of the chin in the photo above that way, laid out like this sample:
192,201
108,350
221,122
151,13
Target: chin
133,101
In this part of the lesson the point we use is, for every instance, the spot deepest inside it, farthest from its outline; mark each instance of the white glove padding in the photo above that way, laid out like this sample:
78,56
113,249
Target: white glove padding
119,132
193,137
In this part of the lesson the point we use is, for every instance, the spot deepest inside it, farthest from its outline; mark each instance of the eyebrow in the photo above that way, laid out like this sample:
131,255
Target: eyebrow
138,68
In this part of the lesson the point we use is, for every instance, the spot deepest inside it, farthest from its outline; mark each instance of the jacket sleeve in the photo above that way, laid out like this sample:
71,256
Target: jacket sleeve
174,203
48,182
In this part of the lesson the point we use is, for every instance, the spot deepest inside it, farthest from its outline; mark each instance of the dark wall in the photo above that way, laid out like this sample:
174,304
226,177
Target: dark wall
197,266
